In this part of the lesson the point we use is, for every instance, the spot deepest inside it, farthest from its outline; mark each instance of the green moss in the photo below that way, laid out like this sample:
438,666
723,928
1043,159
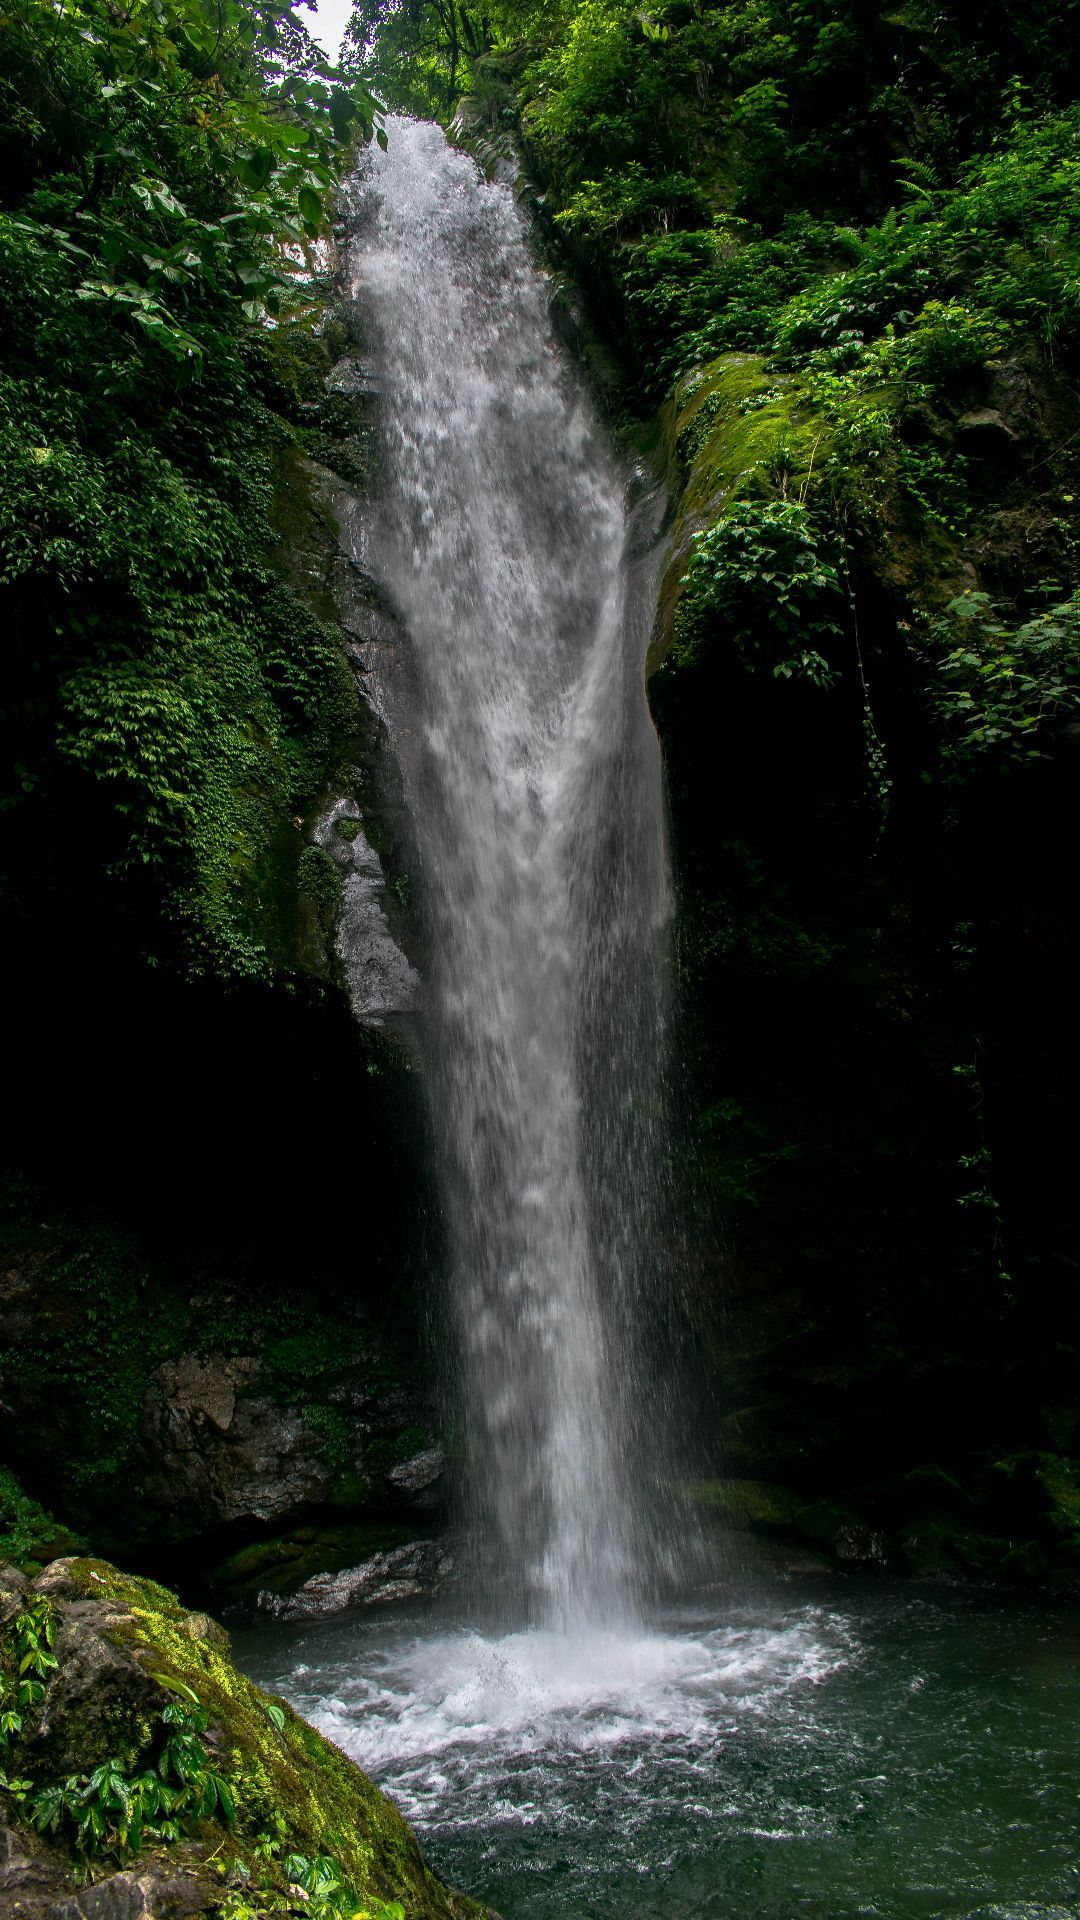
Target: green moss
334,1434
286,1779
744,431
284,1563
737,430
317,877
936,1545
743,1503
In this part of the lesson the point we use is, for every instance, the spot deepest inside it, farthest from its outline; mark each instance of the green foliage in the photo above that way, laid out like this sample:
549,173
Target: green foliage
215,139
1000,693
24,1672
419,55
763,577
317,876
297,1883
629,199
165,172
29,1535
114,1811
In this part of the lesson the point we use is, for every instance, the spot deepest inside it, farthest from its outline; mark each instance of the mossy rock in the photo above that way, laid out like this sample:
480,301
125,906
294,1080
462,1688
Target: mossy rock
282,1564
743,1504
738,430
127,1649
936,1545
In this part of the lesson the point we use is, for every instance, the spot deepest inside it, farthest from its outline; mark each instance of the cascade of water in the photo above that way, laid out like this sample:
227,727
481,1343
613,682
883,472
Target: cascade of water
502,533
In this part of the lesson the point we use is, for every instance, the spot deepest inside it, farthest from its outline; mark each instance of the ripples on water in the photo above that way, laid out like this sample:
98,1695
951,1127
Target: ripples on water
903,1756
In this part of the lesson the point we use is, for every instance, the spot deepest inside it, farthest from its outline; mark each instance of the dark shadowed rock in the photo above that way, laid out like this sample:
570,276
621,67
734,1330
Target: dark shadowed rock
864,1546
419,1478
219,1447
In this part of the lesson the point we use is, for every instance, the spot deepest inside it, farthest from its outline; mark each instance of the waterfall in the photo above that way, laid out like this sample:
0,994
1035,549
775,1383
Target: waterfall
524,585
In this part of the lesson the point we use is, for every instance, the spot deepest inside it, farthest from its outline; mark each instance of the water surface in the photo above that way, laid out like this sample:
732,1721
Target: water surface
893,1752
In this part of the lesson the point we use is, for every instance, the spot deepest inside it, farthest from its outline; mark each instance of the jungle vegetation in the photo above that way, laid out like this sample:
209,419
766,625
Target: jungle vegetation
168,171
825,257
834,245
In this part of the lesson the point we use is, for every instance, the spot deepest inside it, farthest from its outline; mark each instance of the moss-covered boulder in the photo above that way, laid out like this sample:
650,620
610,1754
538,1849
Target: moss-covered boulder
262,1815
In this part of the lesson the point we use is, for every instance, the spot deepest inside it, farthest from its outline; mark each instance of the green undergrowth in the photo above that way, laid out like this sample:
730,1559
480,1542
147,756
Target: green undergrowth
29,1536
1017,1518
164,330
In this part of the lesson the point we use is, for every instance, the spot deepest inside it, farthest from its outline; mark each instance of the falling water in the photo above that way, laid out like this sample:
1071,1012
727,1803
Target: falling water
525,586
869,1751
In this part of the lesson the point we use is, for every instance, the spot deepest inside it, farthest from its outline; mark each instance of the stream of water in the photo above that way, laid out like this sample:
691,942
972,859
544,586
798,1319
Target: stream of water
525,584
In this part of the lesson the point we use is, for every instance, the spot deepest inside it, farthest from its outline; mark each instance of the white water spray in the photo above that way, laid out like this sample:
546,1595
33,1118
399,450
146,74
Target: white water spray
533,777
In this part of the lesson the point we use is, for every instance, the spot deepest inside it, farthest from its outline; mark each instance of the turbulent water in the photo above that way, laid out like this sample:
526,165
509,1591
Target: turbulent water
902,1754
524,585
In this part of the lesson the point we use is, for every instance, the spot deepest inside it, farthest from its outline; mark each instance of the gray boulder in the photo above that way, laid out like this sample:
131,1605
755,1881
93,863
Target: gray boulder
412,1572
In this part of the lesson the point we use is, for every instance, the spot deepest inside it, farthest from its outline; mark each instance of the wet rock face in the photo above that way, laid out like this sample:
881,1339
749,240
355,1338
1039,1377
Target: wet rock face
228,1453
380,980
861,1546
420,1479
219,1447
291,1419
412,1572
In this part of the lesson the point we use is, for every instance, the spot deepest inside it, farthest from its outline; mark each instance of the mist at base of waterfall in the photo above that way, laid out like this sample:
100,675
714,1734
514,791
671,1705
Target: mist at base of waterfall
905,1753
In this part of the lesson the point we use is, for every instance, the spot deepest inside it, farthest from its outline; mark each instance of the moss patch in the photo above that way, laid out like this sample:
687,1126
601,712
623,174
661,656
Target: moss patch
743,1503
282,1564
738,431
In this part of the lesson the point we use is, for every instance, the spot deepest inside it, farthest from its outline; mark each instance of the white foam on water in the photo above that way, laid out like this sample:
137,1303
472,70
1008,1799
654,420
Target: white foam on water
482,1726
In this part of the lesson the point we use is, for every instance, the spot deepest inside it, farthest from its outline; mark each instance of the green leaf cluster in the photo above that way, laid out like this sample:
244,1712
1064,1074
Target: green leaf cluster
1002,693
763,577
29,1536
114,1812
32,1638
166,171
298,1883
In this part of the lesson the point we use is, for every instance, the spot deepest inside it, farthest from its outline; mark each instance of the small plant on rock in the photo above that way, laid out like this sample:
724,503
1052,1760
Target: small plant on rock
112,1810
761,576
